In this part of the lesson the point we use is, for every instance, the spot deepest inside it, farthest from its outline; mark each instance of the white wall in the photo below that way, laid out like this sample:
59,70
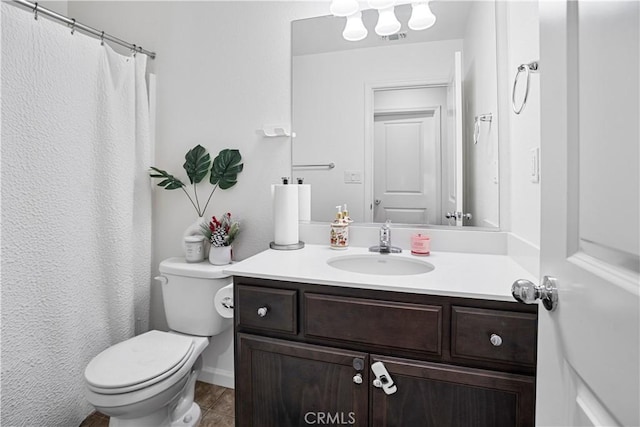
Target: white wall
480,85
223,71
518,43
336,82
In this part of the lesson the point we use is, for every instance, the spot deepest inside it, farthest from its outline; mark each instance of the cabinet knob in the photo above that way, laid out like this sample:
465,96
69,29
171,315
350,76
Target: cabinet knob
496,340
357,378
377,383
262,311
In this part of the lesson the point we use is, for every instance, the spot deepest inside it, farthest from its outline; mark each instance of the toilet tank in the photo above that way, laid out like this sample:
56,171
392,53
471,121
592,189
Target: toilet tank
188,291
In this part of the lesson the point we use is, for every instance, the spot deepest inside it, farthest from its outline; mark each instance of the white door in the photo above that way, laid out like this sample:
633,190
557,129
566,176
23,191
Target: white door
588,358
406,158
453,147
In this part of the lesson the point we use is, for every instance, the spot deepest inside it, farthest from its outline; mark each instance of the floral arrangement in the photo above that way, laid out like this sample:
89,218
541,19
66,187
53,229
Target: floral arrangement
221,232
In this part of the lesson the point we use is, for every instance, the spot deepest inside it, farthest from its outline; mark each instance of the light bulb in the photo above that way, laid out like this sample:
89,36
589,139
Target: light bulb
343,7
421,16
354,30
387,22
381,4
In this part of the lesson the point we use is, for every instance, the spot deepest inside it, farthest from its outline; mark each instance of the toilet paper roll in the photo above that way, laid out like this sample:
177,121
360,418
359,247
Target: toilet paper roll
285,214
304,202
223,300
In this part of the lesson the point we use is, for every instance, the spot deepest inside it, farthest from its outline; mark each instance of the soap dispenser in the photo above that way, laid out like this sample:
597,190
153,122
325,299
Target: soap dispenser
339,236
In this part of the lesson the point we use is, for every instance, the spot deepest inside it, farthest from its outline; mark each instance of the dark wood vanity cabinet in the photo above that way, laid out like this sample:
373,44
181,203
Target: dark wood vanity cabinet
304,354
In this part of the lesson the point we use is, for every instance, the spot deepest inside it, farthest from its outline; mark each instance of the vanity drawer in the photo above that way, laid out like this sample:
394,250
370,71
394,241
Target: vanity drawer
267,309
514,340
415,327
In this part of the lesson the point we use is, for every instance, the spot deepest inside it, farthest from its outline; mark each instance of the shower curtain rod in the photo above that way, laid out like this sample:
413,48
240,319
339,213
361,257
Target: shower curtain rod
81,27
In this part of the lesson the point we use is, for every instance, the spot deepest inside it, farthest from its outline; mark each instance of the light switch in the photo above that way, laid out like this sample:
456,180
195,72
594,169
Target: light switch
535,165
353,177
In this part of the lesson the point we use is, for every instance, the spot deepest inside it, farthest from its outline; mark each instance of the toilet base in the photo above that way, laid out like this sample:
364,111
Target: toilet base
191,418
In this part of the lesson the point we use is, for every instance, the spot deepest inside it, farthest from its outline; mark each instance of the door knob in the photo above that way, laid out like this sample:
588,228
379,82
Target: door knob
527,292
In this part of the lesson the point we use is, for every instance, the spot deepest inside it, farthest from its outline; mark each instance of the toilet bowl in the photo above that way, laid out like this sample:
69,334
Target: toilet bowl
149,380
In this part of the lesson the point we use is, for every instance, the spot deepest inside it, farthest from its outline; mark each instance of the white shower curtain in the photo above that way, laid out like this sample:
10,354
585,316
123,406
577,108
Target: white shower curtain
76,218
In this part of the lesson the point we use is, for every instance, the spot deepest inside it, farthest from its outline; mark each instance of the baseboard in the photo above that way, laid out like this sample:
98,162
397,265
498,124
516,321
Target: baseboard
220,377
525,253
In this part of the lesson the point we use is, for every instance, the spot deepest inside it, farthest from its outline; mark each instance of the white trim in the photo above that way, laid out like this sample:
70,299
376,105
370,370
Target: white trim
216,376
590,409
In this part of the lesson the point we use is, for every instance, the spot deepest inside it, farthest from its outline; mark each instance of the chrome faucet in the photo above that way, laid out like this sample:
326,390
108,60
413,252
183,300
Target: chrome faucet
384,246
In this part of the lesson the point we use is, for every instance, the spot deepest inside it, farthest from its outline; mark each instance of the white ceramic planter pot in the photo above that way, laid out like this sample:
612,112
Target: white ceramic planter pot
220,255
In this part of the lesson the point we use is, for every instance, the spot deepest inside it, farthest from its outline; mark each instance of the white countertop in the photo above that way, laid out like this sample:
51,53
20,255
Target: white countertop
456,274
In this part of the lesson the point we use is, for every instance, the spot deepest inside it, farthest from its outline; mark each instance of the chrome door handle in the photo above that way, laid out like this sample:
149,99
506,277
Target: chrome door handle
527,292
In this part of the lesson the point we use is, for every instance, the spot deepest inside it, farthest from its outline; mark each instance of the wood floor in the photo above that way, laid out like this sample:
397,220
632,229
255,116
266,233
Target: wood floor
217,405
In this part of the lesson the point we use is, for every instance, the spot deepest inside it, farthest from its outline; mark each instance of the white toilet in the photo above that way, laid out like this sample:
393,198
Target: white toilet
149,380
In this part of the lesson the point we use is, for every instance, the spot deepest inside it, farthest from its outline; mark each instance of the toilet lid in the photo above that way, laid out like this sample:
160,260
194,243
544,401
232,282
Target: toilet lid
138,362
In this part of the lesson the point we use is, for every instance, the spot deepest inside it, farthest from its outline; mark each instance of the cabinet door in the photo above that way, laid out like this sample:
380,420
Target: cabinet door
285,383
436,395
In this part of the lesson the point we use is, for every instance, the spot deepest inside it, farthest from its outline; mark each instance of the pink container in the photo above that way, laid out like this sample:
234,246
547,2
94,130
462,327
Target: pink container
420,244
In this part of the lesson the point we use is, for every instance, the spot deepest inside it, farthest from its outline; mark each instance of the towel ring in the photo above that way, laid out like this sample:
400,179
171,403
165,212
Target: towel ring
526,69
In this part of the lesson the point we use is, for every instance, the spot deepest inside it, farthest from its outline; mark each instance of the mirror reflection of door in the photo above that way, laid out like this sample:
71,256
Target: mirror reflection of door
407,154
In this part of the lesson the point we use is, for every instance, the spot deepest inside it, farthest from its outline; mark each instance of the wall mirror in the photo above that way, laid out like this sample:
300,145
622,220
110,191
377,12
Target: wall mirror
402,127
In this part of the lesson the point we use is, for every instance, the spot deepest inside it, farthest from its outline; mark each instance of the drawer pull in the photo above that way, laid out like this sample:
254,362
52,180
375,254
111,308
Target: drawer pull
262,311
496,340
357,378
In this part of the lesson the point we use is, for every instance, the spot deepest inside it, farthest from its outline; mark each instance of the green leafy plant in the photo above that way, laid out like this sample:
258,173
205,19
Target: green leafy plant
223,173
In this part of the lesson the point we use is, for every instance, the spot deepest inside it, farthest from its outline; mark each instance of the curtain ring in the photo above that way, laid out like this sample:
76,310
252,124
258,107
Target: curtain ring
134,50
73,26
527,69
35,11
102,39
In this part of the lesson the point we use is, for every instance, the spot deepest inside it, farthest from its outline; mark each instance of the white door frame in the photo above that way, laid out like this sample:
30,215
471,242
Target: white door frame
369,110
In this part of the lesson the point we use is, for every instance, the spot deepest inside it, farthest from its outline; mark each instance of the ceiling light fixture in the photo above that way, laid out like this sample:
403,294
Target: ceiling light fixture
343,7
387,22
355,29
421,16
381,4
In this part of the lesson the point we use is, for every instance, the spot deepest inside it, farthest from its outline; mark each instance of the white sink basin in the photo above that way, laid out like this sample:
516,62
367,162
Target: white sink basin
380,264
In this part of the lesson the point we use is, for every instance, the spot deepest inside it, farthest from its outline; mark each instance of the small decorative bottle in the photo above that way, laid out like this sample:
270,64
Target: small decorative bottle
339,236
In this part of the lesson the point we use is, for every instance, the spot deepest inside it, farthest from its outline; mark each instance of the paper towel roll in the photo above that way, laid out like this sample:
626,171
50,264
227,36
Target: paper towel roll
304,202
223,300
285,214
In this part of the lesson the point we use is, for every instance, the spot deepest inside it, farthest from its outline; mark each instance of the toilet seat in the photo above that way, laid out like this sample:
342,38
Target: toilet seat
138,362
